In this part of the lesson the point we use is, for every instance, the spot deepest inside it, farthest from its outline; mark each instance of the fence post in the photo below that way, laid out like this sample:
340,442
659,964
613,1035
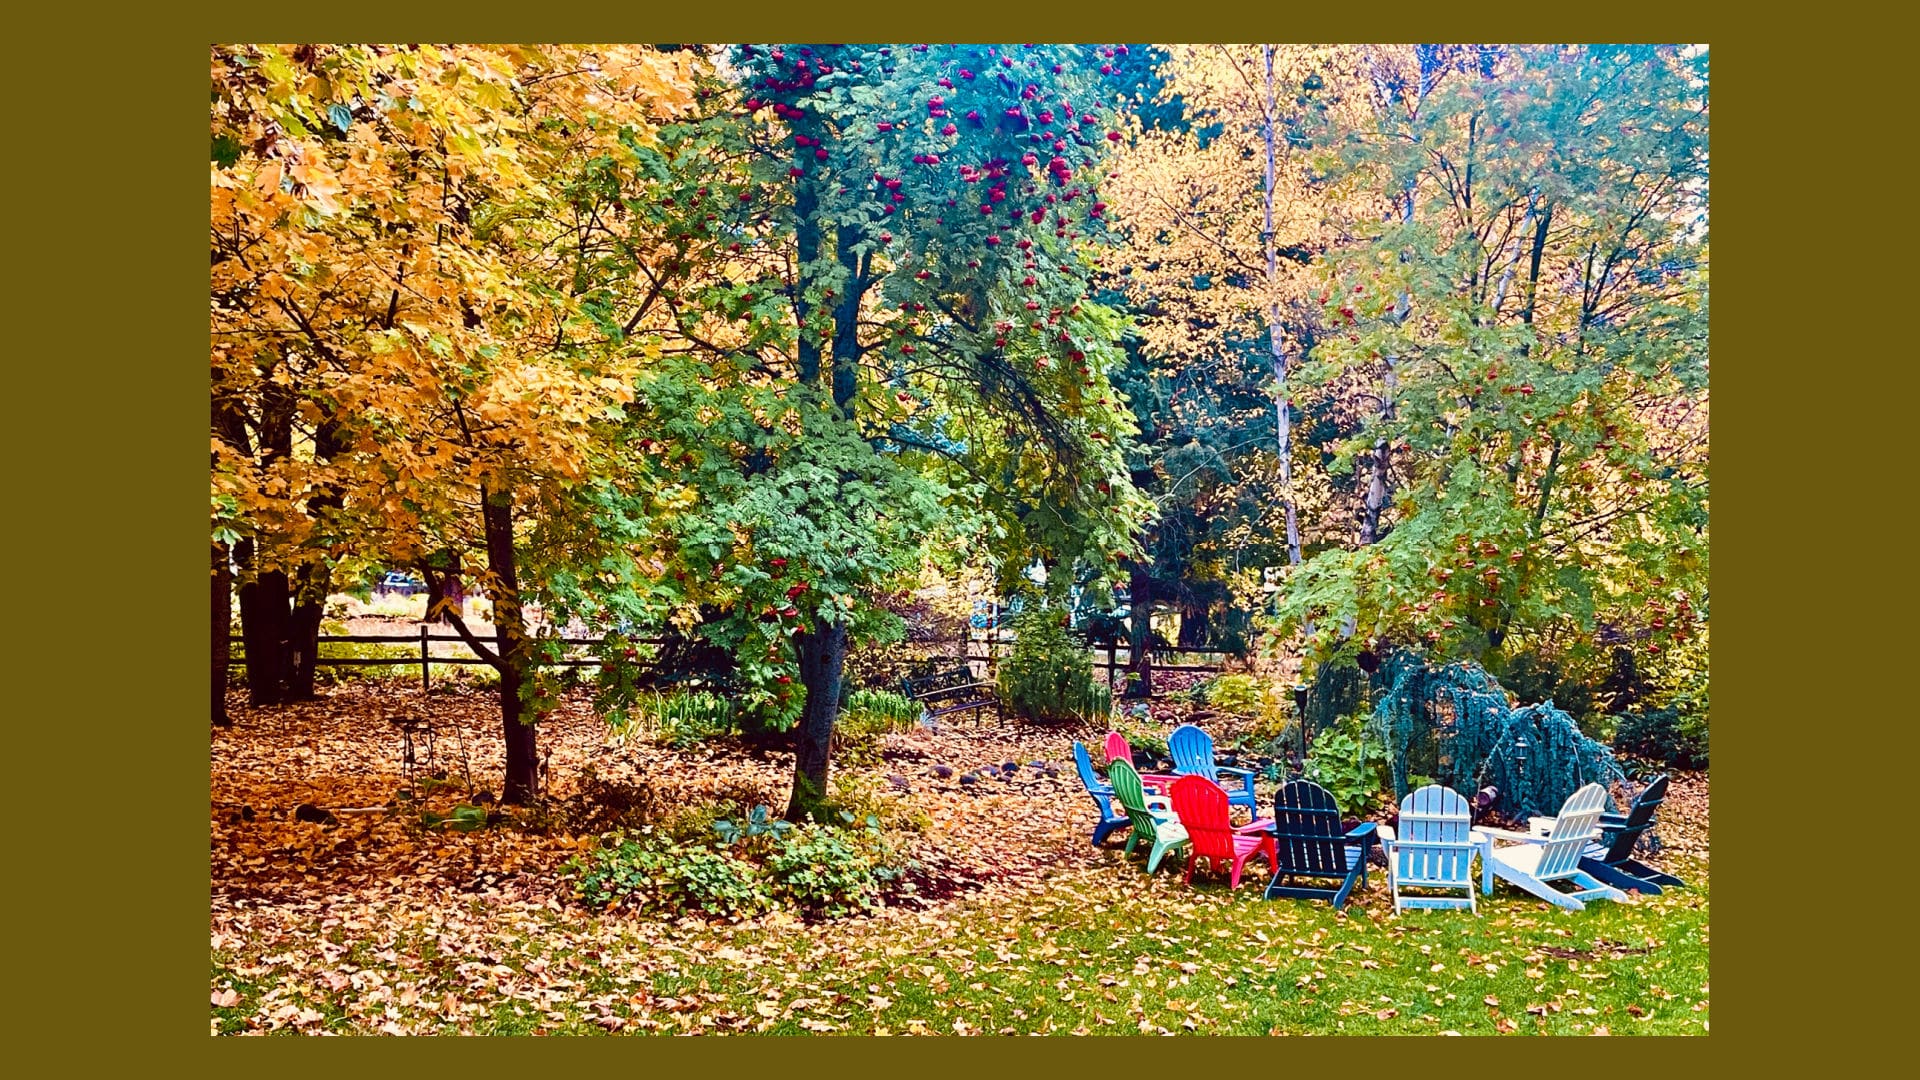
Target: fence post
425,678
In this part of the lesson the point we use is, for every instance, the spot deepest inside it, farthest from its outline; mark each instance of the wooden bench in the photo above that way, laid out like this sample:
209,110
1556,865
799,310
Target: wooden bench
952,691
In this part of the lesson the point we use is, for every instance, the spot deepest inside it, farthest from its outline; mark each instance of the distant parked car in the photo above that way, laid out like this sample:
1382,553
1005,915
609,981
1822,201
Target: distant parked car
401,584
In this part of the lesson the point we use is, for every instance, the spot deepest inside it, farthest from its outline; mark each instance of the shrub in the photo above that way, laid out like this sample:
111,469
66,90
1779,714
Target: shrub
1532,678
1667,735
877,712
1349,765
828,869
654,871
1049,676
680,718
1242,695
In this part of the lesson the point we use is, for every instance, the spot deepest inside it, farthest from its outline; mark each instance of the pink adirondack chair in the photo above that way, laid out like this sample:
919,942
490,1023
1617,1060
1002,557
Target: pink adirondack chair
1118,750
1202,807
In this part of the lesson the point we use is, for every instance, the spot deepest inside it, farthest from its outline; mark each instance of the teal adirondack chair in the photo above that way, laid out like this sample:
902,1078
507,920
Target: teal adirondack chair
1538,863
1152,815
1432,849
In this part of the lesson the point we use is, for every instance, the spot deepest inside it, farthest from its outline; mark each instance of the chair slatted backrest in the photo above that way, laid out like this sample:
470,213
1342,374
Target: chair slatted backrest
1202,808
1432,844
1306,828
1133,796
1084,765
1639,818
1117,748
1192,752
1573,828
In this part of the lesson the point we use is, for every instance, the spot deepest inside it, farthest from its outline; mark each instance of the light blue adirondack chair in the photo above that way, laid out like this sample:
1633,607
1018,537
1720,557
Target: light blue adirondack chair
1192,752
1432,848
1537,862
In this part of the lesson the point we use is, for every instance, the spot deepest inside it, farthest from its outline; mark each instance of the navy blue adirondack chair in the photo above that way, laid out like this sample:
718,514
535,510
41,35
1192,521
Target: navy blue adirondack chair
1611,857
1311,844
1102,795
1192,751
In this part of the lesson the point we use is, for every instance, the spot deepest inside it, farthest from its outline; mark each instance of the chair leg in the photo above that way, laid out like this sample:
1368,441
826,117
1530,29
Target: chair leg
1542,890
1618,878
1647,873
1340,898
1589,883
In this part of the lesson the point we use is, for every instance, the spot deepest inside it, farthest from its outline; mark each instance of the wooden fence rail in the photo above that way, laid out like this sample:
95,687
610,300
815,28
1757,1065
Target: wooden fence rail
426,659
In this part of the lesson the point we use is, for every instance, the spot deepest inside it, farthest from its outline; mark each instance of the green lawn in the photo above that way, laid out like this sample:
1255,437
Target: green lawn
1101,949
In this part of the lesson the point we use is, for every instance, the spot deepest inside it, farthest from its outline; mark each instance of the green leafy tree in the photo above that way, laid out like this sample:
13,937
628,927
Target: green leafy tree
1531,318
903,354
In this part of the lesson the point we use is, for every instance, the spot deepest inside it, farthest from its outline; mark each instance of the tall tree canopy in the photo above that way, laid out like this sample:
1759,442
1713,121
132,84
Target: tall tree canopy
905,351
1530,318
426,317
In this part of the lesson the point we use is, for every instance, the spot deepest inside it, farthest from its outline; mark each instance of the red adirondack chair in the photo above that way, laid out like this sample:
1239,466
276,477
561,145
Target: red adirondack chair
1118,750
1202,807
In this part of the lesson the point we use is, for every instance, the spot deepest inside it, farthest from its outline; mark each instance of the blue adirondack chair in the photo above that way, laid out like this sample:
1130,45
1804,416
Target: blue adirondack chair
1311,844
1192,751
1432,849
1102,796
1611,857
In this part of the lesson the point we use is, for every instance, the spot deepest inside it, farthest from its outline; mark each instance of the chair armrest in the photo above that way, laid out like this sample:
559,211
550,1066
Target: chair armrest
1527,838
1540,826
1235,770
1257,825
1508,834
1365,828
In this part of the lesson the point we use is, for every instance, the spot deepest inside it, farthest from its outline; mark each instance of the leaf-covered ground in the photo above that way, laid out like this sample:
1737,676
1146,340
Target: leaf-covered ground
375,924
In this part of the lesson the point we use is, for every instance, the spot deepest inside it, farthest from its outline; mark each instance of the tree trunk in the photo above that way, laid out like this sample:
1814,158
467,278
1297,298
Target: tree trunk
1140,638
222,627
1382,461
823,657
263,630
315,579
1195,625
510,644
445,595
1276,336
303,630
264,596
1377,482
823,652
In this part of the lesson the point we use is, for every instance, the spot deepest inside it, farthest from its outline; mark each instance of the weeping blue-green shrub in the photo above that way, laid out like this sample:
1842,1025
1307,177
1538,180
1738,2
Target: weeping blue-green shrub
1455,725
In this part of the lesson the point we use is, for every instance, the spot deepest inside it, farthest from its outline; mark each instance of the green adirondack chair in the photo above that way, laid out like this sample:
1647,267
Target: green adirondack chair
1153,823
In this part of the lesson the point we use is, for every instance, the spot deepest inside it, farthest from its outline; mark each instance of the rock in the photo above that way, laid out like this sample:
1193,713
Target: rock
312,813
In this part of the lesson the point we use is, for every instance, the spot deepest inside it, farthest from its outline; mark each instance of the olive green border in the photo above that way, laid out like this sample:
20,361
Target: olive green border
110,833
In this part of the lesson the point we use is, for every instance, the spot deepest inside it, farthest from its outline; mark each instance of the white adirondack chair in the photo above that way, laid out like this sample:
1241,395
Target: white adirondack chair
1536,862
1432,849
